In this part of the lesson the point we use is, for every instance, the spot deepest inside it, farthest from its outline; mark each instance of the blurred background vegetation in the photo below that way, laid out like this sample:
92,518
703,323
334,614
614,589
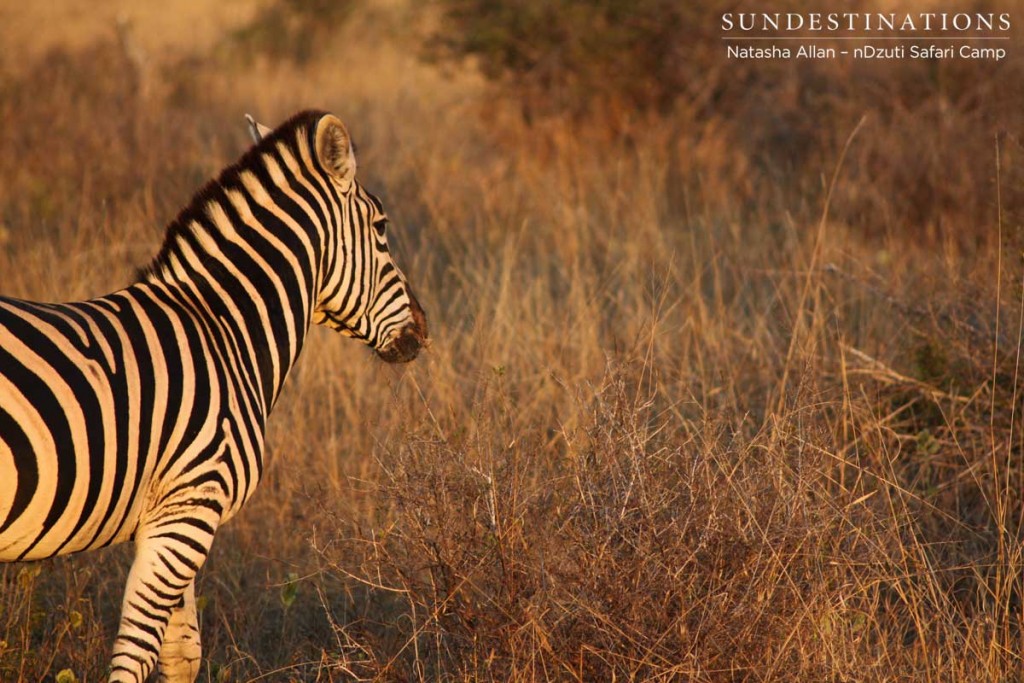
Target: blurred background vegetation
725,376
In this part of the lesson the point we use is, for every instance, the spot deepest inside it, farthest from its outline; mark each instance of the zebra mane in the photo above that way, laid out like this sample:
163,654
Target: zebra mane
214,189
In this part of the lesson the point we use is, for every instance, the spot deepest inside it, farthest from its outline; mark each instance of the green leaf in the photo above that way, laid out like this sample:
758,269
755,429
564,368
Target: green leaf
75,618
27,575
67,676
290,590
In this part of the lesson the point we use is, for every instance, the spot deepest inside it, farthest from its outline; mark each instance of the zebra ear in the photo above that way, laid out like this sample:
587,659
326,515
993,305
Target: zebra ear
334,150
257,130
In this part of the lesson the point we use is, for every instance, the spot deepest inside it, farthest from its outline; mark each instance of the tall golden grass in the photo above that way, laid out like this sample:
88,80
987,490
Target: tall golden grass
728,393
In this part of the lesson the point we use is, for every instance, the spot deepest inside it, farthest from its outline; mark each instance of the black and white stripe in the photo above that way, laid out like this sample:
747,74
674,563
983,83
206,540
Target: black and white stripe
141,415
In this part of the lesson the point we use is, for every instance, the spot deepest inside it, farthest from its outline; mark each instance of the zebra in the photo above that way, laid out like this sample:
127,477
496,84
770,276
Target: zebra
140,415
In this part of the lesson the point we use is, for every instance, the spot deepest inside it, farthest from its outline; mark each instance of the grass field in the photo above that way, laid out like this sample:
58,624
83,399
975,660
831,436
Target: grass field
722,392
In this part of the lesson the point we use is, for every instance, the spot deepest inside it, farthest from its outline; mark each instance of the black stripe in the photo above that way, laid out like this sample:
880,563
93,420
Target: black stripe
152,603
174,570
150,615
171,598
183,540
25,463
138,642
146,628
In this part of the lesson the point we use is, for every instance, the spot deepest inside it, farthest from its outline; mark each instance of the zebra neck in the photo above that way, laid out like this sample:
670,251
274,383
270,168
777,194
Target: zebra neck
246,254
250,290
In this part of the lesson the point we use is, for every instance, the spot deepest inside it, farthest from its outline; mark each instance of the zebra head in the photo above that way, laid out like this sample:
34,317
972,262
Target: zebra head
363,294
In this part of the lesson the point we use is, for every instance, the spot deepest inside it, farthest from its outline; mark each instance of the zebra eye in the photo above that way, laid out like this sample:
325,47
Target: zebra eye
380,225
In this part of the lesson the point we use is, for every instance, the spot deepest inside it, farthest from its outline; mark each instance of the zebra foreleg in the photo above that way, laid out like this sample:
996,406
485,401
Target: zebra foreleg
158,616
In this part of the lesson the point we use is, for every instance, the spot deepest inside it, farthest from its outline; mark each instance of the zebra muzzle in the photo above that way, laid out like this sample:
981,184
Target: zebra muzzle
413,337
402,350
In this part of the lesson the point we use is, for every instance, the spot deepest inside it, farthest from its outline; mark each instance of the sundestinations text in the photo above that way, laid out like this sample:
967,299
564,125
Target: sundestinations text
865,21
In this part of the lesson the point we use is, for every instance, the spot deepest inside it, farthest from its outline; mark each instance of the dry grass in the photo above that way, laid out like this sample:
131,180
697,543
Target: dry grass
676,423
